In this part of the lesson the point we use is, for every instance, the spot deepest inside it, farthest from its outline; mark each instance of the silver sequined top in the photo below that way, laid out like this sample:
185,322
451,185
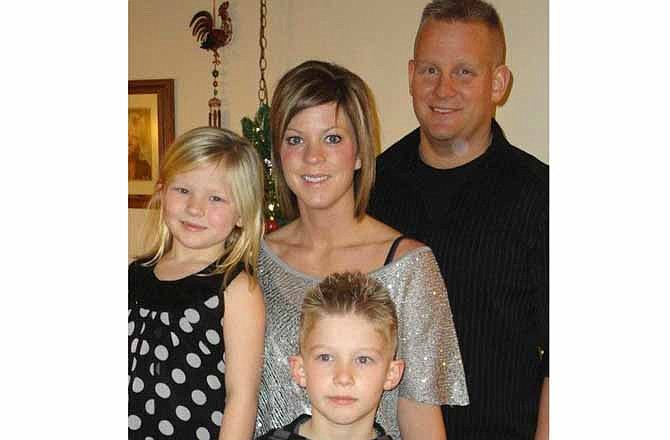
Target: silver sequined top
428,343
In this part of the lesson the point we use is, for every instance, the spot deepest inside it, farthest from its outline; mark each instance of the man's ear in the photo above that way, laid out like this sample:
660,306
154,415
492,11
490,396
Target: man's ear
394,374
298,370
410,75
500,82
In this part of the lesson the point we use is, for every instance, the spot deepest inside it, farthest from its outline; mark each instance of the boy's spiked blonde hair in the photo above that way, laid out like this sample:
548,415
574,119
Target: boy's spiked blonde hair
350,293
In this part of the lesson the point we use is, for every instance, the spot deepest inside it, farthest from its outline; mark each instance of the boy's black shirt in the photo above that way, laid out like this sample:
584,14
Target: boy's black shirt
290,431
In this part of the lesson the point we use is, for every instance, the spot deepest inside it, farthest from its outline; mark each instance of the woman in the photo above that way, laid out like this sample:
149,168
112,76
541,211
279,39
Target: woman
324,134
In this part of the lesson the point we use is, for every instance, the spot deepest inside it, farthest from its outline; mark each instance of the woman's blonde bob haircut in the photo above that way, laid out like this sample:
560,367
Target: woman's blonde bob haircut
206,146
314,83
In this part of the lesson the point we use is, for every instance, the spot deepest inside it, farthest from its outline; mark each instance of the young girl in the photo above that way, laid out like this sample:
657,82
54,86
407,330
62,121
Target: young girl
196,316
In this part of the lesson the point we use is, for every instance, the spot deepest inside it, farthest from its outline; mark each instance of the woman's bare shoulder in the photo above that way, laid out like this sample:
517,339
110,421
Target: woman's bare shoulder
383,232
407,245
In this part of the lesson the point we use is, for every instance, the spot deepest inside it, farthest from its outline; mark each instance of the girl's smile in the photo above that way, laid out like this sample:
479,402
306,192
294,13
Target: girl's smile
199,210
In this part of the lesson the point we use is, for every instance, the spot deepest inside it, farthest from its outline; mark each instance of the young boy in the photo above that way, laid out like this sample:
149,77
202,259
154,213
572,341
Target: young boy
348,339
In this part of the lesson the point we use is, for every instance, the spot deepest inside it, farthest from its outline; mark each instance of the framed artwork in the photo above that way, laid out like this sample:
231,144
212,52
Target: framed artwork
150,131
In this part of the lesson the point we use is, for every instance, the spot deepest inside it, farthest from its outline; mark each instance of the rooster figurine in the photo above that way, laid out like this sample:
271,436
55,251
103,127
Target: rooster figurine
210,38
205,31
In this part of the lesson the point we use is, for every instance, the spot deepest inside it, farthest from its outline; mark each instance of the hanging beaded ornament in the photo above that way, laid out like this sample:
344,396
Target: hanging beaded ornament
211,39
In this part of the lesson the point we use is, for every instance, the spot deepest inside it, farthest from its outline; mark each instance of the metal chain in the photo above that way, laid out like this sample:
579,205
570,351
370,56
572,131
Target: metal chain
262,62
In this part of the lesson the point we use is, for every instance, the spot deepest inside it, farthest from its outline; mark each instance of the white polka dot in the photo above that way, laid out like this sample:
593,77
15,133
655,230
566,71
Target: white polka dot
131,327
212,336
132,368
221,367
213,302
150,407
134,422
144,325
148,438
133,345
165,318
192,315
198,397
184,325
161,352
162,390
151,368
183,413
202,433
144,312
217,416
204,348
213,382
165,427
178,376
129,312
153,315
144,349
193,360
138,385
175,339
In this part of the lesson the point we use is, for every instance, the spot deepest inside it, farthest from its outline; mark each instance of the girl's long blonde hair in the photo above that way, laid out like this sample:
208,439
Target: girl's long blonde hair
206,146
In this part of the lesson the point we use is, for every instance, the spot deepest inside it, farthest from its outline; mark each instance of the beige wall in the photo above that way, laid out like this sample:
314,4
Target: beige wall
370,37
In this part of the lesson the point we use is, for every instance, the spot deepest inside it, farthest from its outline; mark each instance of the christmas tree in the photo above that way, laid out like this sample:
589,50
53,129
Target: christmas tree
257,131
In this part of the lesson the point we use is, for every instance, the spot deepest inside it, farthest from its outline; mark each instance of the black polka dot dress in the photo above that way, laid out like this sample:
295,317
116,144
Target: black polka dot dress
176,363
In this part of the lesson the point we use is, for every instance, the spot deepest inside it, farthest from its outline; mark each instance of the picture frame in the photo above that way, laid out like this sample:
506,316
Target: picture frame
150,131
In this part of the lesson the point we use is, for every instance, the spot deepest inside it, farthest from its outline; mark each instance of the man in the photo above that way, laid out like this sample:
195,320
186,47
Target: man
481,204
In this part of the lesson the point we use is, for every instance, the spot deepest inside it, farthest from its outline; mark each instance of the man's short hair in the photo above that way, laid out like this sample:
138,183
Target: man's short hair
350,293
467,11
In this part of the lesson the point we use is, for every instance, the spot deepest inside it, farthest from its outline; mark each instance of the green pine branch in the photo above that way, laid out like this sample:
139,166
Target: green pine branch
257,131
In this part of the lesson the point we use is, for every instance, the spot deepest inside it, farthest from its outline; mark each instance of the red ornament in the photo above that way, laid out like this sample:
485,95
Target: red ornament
271,225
